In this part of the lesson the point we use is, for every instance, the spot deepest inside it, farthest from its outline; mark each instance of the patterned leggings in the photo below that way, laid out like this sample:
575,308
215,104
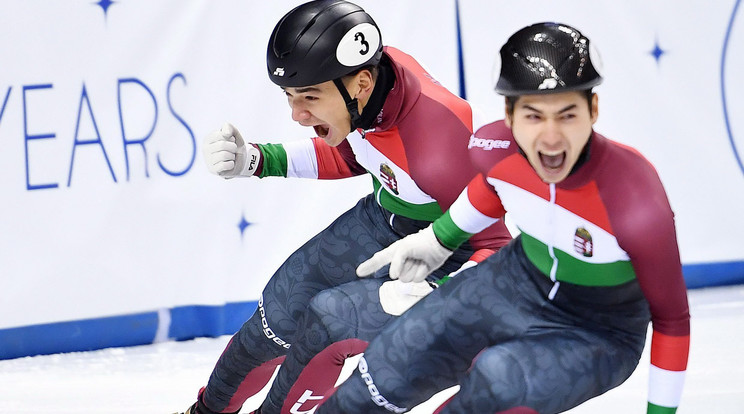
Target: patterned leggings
493,331
326,261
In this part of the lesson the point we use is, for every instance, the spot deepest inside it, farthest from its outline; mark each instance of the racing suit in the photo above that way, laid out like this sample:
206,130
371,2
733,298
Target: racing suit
560,314
414,145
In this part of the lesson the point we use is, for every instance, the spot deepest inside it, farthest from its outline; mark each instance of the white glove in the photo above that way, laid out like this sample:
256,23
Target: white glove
411,258
227,155
397,296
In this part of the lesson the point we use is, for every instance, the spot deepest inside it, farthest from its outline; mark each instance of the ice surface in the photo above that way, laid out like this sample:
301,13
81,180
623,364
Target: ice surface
164,377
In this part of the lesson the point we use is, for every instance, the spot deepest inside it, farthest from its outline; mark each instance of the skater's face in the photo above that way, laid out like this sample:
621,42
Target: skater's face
322,107
552,129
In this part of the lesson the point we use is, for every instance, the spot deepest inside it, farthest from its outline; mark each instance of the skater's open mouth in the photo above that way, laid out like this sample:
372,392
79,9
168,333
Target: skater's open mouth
552,161
321,130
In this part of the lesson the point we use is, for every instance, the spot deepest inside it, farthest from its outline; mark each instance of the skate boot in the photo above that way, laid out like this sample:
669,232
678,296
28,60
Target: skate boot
191,410
195,409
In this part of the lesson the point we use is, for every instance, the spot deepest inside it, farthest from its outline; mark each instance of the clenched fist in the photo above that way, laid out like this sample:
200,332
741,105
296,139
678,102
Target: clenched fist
227,155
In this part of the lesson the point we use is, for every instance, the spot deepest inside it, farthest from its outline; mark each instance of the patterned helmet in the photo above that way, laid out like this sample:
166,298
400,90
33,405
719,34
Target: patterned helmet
547,58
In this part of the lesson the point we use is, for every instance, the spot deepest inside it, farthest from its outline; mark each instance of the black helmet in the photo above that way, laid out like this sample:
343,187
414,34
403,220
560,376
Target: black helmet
320,41
547,58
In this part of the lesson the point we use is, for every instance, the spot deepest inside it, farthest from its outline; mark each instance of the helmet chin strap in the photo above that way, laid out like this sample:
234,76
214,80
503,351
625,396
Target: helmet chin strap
352,105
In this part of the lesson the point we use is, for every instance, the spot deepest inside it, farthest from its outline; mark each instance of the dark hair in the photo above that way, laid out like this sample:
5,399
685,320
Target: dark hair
512,100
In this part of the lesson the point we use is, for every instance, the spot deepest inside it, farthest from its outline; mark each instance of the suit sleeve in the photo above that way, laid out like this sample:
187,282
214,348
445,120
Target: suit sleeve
657,265
647,233
477,208
308,158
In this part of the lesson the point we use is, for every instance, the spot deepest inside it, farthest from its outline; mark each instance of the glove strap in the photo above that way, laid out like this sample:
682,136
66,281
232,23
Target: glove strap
252,161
